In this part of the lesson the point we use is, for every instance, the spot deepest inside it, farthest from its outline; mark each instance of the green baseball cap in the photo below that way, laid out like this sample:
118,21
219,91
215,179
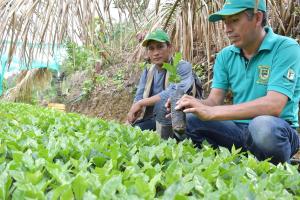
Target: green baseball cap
157,35
232,7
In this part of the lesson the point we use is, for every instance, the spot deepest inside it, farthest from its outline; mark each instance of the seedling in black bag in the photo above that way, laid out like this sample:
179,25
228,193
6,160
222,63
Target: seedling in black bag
178,116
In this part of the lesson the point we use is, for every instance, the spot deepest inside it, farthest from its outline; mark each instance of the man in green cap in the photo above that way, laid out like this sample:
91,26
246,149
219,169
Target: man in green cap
262,70
148,109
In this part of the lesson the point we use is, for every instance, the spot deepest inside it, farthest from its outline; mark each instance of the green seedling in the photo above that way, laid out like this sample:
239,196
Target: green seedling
172,68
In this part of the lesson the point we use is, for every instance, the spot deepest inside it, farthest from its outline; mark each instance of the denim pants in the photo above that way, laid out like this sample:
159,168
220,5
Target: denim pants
265,136
160,111
146,124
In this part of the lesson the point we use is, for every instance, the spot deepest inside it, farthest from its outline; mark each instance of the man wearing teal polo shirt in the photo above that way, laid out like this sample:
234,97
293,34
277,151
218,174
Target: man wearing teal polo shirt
262,70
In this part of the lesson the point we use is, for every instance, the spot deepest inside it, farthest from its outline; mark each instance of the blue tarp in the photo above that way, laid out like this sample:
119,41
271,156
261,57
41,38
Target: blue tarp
17,64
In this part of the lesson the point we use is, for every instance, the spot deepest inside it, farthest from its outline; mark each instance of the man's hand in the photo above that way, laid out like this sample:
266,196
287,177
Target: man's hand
190,104
168,108
134,112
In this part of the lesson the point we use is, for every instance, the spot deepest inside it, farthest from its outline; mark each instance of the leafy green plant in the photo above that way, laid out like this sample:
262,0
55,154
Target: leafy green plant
47,154
101,80
87,87
143,65
199,70
178,117
172,68
79,58
118,78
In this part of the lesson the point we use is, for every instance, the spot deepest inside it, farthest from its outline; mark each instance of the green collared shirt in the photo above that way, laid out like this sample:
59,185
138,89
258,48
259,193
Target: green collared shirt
276,67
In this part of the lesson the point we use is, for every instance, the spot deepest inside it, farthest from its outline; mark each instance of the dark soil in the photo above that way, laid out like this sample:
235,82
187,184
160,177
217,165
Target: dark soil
106,104
109,100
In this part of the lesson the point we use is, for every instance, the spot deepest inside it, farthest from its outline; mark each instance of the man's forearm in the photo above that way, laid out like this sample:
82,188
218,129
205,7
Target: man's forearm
215,98
149,101
261,106
209,102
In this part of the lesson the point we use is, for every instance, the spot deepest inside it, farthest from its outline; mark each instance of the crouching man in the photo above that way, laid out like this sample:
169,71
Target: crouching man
262,69
148,110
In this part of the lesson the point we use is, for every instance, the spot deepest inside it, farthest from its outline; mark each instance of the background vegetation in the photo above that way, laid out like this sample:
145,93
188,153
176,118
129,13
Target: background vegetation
94,38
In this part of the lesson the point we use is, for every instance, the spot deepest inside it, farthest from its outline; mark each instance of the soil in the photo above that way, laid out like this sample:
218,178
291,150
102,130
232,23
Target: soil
109,100
105,104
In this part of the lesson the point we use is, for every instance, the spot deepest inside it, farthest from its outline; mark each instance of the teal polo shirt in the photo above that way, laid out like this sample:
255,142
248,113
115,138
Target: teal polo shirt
276,67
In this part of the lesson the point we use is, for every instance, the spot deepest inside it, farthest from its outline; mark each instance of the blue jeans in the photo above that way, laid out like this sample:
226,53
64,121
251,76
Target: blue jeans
265,136
146,124
160,116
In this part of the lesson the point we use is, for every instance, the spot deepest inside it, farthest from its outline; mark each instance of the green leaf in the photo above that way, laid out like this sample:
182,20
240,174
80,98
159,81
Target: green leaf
56,193
90,196
172,68
143,189
172,191
173,173
110,188
34,177
221,185
5,183
178,190
169,68
79,186
67,194
177,58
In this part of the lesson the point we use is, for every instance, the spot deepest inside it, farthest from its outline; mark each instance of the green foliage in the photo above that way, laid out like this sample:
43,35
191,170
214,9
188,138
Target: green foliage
172,68
297,10
199,70
101,80
47,154
79,58
118,78
87,88
144,65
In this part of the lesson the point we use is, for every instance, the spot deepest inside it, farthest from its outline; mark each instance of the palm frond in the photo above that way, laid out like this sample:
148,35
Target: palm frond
192,34
28,82
48,23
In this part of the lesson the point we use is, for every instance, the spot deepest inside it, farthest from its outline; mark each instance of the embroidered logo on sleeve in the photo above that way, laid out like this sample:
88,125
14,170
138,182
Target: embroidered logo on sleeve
263,74
290,74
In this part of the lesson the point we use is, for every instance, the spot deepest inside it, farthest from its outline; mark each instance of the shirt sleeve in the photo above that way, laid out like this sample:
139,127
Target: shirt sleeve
285,70
184,70
141,86
220,77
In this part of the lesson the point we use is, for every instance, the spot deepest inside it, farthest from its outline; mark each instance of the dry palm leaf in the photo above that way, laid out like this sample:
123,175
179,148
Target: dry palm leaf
28,82
192,34
48,23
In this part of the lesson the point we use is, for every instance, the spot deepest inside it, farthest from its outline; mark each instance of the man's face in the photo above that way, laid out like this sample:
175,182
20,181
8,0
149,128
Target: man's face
241,30
158,52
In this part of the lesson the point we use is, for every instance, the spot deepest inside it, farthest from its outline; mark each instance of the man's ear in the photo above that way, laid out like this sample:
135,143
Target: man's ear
171,49
259,18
